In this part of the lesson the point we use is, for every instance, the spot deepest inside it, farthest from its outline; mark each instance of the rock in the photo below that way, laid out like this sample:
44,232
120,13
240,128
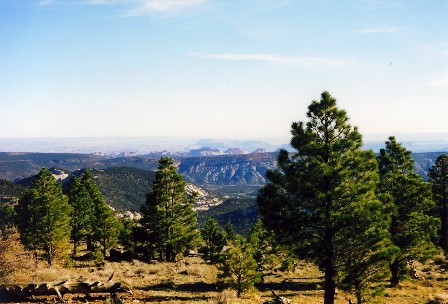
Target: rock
278,299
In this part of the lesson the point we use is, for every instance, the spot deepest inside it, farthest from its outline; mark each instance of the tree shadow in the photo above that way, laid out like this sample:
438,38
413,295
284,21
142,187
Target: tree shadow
181,299
188,287
289,286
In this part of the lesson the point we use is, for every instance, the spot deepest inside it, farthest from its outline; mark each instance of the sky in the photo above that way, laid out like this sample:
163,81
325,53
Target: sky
219,68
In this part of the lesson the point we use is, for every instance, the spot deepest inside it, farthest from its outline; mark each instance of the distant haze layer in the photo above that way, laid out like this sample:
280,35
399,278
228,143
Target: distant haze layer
431,142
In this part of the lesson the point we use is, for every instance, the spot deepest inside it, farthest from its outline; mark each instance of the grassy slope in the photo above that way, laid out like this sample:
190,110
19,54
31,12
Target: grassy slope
193,281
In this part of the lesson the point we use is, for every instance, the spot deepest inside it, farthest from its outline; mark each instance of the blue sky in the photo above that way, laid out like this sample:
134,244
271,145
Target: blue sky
219,69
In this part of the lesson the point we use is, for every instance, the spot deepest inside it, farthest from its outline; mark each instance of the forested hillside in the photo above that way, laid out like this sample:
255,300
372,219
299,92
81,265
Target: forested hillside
242,213
123,187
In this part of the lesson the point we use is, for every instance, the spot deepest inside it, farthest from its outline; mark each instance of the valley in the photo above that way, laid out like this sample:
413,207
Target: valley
227,184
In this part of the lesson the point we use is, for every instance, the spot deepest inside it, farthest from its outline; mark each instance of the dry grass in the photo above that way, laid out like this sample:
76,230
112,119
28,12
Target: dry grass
13,256
194,281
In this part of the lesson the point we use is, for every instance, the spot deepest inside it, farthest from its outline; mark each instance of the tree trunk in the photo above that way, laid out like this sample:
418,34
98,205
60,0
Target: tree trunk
239,287
444,226
395,273
75,245
358,297
330,284
89,243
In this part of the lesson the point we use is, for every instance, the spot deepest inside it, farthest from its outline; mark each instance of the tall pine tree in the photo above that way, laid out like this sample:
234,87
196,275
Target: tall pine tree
438,177
82,212
318,192
105,226
412,227
214,238
44,216
168,216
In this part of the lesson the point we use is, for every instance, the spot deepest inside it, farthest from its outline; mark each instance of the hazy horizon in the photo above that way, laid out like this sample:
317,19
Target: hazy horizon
430,142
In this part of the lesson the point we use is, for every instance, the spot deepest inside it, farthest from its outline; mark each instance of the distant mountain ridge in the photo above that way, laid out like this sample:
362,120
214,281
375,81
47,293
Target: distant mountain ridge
242,169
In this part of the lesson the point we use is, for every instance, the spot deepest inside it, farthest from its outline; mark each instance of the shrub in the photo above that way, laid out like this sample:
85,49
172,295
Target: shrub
13,256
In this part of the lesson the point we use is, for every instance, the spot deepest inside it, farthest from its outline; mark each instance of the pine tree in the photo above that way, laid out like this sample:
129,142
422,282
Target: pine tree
266,251
318,192
238,268
412,227
438,177
214,239
229,230
105,226
365,259
168,216
44,216
7,215
82,212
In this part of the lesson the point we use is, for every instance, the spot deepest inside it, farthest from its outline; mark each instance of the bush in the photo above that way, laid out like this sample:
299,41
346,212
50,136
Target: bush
98,258
13,256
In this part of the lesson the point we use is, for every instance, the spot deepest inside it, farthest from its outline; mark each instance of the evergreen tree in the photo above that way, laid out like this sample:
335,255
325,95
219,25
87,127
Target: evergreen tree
214,238
318,192
127,235
29,212
238,268
229,230
82,211
44,216
365,259
7,215
168,216
266,250
105,226
438,177
412,227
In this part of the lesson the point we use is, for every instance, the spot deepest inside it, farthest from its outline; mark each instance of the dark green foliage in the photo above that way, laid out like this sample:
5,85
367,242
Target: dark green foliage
229,231
242,213
124,187
9,192
265,250
238,268
82,216
412,227
317,193
43,216
438,177
7,215
105,226
168,217
127,236
365,259
214,238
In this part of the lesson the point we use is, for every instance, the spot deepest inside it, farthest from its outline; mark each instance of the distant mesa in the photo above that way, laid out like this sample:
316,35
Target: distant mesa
223,144
259,151
206,151
235,151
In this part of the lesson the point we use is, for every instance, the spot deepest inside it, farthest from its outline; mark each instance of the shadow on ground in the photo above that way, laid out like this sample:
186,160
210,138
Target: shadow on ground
289,286
191,287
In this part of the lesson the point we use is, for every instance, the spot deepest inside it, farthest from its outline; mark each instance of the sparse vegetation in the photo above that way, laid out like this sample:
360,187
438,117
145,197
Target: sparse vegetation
337,223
